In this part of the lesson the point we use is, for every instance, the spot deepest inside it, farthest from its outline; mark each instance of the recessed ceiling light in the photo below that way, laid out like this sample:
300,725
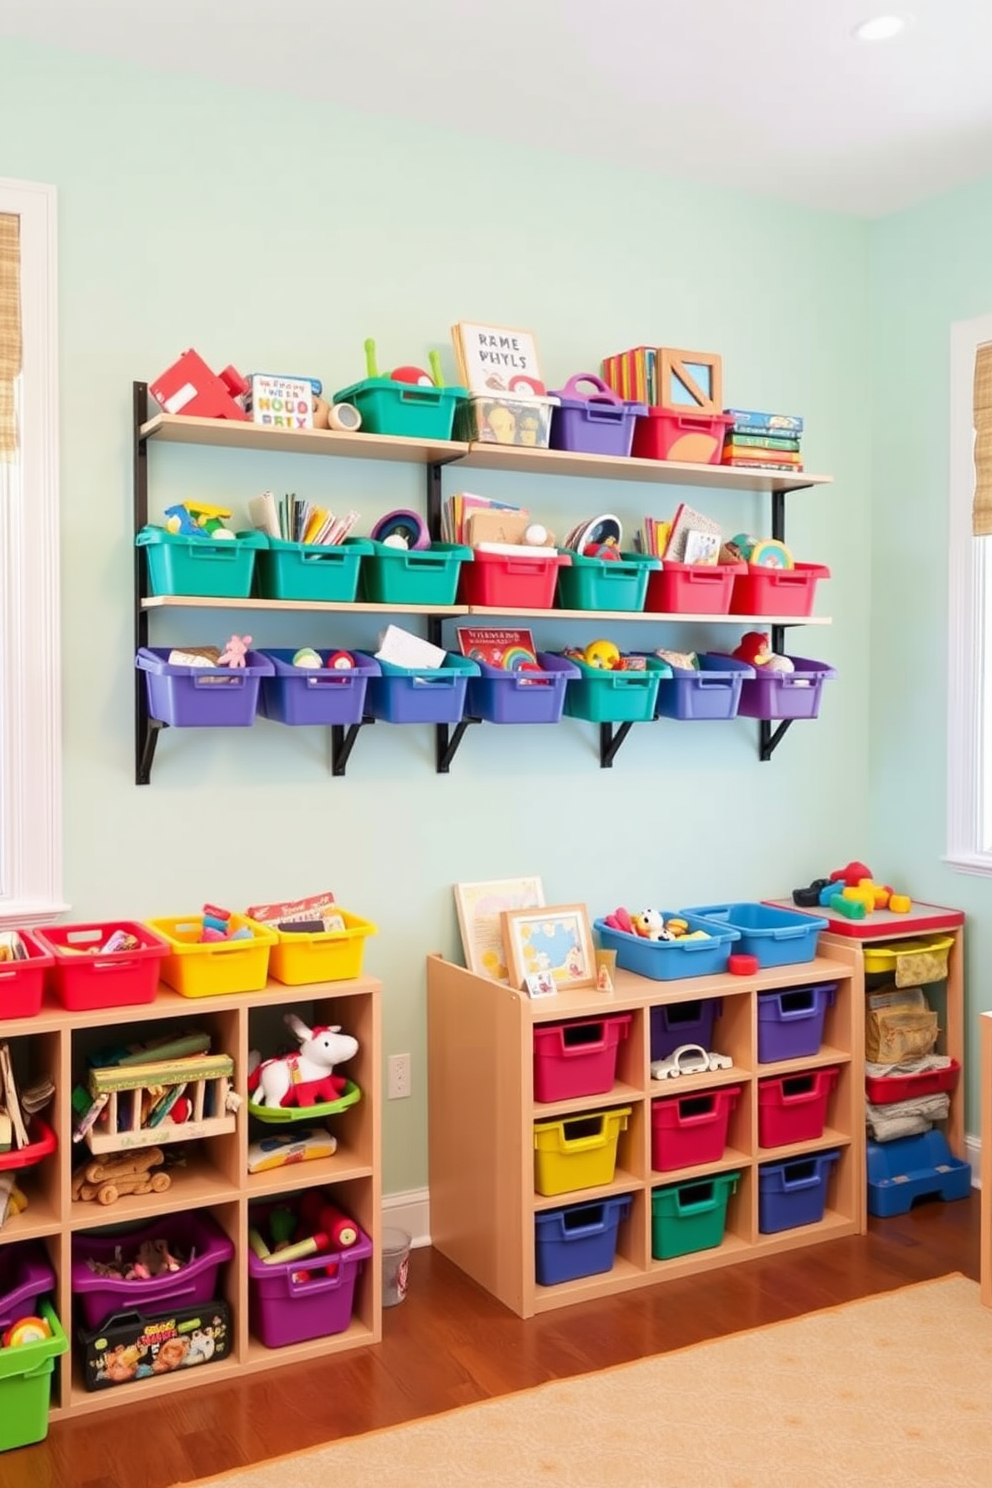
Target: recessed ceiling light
880,28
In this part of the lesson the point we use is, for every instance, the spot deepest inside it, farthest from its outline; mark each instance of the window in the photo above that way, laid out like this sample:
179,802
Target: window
30,680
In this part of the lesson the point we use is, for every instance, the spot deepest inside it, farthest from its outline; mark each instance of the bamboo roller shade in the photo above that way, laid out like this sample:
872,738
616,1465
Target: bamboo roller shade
10,330
981,511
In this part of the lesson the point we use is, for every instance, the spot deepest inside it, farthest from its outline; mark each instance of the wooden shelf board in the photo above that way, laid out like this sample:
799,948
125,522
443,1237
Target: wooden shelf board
345,1166
623,1276
729,1162
615,1096
623,1182
197,1186
831,1138
510,457
687,1084
38,1219
168,428
827,1055
831,1227
657,616
354,1336
213,602
730,1250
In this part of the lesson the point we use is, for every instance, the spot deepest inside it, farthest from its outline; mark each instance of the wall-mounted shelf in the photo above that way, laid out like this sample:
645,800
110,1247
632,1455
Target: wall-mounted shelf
434,455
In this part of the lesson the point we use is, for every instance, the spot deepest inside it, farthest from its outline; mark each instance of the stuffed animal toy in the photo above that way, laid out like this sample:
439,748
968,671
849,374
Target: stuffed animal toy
756,650
233,654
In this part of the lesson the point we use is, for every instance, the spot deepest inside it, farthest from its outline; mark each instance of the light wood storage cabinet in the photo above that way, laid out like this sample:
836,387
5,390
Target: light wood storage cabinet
482,1116
216,1177
985,1259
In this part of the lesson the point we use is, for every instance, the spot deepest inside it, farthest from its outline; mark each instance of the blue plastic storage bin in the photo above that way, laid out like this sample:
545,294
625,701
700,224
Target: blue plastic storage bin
778,937
793,1193
790,1023
202,697
712,692
670,960
301,696
500,696
420,694
678,1023
911,1168
579,1240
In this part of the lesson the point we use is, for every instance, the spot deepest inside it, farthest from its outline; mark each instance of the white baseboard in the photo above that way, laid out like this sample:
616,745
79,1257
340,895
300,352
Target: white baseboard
410,1211
973,1153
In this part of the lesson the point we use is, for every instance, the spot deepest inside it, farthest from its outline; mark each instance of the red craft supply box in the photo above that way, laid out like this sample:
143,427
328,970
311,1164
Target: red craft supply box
577,1058
501,579
793,1108
692,588
882,1090
776,591
693,439
83,978
691,1128
22,983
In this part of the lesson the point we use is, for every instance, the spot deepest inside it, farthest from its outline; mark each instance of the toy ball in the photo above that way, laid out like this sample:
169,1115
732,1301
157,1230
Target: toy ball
307,657
341,661
536,535
602,654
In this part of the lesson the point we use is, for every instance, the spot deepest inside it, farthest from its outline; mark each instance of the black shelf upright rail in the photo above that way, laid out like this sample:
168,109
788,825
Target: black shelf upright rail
446,741
146,729
770,738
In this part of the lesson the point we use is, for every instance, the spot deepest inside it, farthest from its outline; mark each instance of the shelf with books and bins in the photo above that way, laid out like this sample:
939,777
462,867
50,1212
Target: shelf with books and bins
434,455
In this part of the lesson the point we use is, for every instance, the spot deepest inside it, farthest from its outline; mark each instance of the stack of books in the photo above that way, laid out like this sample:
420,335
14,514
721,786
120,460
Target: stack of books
763,441
294,519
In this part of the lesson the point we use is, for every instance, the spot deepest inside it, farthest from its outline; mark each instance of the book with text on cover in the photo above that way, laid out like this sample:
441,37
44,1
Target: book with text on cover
510,649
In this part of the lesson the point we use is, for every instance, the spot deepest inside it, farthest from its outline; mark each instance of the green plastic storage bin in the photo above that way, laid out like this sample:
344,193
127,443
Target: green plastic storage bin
414,576
605,584
313,571
26,1384
403,408
691,1216
199,566
615,697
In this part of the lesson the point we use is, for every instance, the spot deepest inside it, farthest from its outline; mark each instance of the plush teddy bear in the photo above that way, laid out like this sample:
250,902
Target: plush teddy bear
233,654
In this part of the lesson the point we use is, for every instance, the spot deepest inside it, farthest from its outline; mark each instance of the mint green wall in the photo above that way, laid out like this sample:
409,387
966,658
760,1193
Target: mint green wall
276,234
929,267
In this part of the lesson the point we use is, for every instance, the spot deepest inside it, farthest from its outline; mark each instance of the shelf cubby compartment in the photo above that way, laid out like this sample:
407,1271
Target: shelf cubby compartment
36,1167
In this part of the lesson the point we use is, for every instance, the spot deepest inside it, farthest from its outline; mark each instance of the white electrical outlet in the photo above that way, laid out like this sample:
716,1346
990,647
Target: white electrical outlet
399,1076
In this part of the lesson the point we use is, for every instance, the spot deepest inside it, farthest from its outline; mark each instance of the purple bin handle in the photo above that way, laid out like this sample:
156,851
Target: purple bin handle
316,1283
603,394
234,680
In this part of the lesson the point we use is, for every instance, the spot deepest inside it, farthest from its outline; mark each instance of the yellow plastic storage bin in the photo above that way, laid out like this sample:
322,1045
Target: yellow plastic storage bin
577,1151
213,968
913,963
300,958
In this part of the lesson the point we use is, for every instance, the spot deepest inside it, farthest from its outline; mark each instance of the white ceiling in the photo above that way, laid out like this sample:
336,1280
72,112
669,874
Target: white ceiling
772,96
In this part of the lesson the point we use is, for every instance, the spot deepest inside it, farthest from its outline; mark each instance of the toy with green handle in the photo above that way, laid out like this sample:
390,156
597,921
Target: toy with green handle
416,375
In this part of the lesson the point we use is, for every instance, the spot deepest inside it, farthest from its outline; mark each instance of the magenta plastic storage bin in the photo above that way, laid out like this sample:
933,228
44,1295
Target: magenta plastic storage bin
793,694
793,1108
26,1274
678,1023
202,697
283,1308
712,692
302,695
790,1023
577,1058
596,423
499,696
195,1234
691,1128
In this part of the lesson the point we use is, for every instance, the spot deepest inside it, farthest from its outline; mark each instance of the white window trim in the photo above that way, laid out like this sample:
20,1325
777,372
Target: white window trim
31,786
967,599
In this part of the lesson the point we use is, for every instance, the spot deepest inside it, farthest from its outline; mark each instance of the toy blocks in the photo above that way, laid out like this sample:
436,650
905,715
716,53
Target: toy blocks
189,387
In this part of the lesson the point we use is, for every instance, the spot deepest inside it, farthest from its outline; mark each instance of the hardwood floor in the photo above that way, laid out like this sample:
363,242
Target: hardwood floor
450,1344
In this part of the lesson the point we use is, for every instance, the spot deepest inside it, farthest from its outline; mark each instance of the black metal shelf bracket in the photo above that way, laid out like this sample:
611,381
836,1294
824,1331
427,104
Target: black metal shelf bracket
146,730
147,743
609,742
769,738
343,742
447,745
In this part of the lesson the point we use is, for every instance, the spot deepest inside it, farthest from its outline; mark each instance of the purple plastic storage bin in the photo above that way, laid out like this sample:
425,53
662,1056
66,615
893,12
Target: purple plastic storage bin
283,1309
597,423
421,694
195,1234
303,695
26,1274
202,697
793,694
500,696
790,1023
683,1023
712,692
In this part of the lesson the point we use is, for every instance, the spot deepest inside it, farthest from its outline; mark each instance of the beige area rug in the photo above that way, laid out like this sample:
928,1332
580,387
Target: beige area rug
892,1391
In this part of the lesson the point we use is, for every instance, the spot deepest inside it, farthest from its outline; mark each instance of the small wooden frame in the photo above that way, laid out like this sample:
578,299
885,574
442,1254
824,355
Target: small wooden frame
690,381
127,1088
556,938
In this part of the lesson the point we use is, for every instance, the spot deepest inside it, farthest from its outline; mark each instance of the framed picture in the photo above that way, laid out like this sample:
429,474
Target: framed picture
555,939
479,907
496,359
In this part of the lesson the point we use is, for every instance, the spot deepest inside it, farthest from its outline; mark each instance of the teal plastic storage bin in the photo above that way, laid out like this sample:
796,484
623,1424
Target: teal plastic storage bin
200,566
615,697
414,576
604,584
295,570
420,694
403,408
26,1384
686,1217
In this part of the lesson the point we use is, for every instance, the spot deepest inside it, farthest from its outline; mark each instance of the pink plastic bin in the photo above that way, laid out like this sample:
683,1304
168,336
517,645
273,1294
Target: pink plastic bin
777,591
22,983
496,579
692,1128
195,1234
284,1309
578,1057
115,979
793,1108
692,588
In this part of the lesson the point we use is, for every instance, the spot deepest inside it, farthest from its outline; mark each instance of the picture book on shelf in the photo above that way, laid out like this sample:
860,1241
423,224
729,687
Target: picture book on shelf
507,649
687,520
701,547
496,359
461,506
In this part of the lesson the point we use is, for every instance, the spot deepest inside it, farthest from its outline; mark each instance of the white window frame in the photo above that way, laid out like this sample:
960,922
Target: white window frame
31,886
969,723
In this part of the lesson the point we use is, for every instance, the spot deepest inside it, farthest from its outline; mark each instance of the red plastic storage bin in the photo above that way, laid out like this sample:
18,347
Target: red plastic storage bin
501,579
577,1058
692,588
793,1108
692,1128
882,1090
695,439
22,983
777,591
84,979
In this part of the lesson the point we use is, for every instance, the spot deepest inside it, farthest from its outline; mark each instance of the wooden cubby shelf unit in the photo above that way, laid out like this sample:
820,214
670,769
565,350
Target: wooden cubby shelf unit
215,1176
482,1113
434,455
